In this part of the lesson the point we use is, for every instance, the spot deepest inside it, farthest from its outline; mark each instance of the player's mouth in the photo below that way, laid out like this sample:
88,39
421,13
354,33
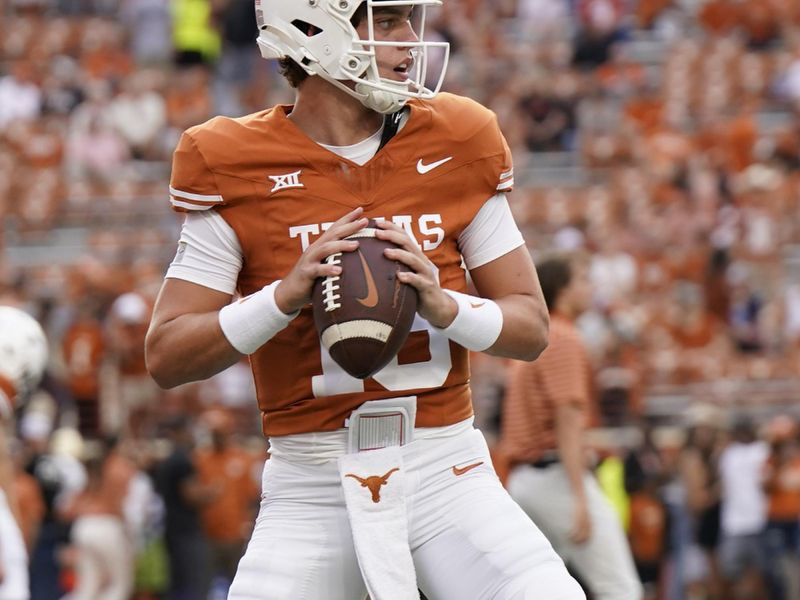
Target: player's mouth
403,70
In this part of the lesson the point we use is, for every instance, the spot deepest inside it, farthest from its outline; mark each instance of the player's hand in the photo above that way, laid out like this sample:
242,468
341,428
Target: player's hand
435,306
294,291
581,523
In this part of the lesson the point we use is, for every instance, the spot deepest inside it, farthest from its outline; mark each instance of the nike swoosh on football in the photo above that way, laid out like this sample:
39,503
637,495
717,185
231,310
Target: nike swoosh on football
422,168
371,299
457,472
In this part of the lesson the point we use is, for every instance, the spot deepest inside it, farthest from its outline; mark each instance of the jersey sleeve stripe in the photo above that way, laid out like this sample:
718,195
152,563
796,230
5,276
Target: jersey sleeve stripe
189,205
506,185
507,174
201,198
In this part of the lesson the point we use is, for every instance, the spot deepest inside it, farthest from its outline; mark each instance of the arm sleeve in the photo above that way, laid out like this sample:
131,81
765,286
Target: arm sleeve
192,185
209,253
491,233
505,179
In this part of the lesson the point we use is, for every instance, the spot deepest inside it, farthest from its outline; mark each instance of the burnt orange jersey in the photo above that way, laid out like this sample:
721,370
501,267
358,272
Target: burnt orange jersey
278,190
84,349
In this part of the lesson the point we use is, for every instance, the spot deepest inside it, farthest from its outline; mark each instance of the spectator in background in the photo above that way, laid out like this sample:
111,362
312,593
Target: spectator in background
194,33
613,271
543,19
547,120
149,25
97,153
743,509
136,392
782,486
600,27
184,496
104,565
645,473
238,58
60,476
104,56
699,478
62,89
227,519
20,96
84,349
546,408
138,114
94,149
188,102
747,303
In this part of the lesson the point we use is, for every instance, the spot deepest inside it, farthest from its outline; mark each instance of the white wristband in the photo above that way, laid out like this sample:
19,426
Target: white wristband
250,321
478,322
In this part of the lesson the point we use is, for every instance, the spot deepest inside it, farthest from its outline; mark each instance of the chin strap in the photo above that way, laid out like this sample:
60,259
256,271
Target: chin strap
391,125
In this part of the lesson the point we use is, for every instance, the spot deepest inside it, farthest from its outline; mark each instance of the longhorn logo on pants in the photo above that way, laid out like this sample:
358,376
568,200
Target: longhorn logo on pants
374,483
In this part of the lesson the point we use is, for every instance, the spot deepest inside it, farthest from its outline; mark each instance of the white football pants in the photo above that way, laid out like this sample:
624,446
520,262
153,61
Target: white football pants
469,540
13,556
604,562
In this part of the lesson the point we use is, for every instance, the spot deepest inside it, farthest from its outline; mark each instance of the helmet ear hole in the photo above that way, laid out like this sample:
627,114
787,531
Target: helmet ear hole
306,28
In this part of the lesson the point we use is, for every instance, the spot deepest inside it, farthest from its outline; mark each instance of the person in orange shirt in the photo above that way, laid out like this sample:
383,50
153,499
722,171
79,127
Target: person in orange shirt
782,484
227,518
545,411
84,350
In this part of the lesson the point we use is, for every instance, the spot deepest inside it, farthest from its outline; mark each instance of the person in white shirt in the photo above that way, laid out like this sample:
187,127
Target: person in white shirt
744,507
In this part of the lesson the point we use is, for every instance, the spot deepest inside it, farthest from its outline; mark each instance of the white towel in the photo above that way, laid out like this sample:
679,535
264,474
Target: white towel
373,492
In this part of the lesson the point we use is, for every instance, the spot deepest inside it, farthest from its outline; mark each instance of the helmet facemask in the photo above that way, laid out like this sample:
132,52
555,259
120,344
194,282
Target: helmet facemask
320,37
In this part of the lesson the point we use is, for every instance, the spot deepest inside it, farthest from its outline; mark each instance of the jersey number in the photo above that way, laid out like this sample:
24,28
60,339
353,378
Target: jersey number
394,376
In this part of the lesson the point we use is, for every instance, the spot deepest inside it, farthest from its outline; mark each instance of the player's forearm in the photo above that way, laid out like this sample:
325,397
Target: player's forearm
569,434
525,328
188,348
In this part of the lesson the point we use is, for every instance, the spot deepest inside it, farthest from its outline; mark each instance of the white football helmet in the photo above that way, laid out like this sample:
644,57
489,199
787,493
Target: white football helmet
23,355
336,53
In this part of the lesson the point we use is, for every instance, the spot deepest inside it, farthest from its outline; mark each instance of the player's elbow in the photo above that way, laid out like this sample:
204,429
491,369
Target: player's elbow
537,335
160,373
160,368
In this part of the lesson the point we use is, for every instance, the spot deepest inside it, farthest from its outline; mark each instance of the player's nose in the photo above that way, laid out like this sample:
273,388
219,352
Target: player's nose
408,34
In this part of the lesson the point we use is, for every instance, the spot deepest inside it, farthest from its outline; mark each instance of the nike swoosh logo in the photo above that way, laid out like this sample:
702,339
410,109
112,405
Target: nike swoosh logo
457,472
371,299
422,168
476,304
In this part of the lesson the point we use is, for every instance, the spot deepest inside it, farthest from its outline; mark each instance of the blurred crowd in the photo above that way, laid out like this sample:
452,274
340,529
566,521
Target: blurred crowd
661,136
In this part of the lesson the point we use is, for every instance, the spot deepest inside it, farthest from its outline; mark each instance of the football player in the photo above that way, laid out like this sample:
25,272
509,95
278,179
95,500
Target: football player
23,357
267,198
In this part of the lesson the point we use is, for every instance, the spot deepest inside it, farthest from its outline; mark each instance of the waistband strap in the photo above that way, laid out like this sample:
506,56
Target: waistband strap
320,447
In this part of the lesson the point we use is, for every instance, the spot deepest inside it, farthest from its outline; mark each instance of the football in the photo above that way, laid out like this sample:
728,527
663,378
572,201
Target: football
364,314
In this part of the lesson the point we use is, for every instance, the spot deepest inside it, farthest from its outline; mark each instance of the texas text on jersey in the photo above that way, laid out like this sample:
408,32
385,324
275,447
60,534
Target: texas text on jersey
279,189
